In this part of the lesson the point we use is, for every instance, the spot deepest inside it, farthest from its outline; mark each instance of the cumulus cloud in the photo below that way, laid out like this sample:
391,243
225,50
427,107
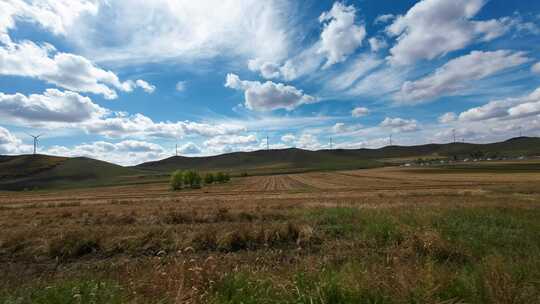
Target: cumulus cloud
139,125
400,124
56,109
54,15
51,106
148,88
447,117
189,148
340,36
359,112
288,138
340,128
9,143
384,18
457,74
69,71
377,44
231,140
518,107
268,70
309,142
432,28
268,96
128,152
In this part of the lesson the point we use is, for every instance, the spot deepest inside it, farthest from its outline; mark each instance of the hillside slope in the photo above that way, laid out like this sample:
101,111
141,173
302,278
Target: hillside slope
287,160
43,171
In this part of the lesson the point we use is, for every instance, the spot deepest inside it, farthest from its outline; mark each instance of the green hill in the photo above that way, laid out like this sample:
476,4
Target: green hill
43,171
265,161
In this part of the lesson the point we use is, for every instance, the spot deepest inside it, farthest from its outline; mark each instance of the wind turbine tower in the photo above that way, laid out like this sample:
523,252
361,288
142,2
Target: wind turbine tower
36,139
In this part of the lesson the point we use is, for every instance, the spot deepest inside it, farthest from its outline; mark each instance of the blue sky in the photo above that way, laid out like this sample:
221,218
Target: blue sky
124,81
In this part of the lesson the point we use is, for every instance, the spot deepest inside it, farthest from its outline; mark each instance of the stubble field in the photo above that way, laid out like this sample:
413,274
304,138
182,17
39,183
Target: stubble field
389,235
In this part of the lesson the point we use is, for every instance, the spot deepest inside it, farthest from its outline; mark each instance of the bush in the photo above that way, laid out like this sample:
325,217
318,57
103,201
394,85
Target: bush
177,180
192,179
209,178
222,177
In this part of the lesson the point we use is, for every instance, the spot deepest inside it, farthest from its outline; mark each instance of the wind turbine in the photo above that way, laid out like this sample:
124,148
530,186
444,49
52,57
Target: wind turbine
36,139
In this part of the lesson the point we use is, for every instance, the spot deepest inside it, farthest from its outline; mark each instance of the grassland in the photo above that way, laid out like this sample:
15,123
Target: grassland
385,235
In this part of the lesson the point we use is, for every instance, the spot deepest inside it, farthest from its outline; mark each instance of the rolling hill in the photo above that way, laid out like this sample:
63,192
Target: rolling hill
291,160
42,171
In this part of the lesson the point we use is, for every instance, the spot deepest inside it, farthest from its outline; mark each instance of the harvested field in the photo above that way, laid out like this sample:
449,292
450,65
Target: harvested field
388,235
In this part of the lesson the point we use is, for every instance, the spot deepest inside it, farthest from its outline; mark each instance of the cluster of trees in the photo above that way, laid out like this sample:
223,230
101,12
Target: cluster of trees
192,179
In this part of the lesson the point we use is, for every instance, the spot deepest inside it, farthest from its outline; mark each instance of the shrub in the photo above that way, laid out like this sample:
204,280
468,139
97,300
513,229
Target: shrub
177,180
192,179
222,177
209,178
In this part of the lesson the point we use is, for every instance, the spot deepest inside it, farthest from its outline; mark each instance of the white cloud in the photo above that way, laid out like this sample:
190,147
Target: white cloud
340,36
51,106
377,44
447,117
9,143
456,75
355,70
231,140
189,148
288,138
129,152
383,81
536,68
148,88
55,15
518,107
432,28
181,86
359,112
341,128
185,30
309,142
268,96
69,71
384,18
268,70
400,124
139,125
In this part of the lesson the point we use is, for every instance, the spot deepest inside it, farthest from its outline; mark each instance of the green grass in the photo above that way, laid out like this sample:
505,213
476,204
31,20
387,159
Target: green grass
430,255
76,291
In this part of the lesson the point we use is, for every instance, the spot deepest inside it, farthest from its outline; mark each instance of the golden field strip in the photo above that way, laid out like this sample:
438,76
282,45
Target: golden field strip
387,235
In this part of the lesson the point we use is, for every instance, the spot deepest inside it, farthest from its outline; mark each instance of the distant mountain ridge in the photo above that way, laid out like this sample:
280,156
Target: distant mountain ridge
298,159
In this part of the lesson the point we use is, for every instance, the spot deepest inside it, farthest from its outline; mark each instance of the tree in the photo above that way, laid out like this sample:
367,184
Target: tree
193,179
226,177
209,178
177,180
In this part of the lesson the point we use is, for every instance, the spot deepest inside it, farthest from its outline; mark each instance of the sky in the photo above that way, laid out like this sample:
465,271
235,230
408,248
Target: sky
126,81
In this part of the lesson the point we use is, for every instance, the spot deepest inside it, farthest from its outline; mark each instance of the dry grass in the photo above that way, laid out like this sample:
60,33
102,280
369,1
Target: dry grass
372,236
